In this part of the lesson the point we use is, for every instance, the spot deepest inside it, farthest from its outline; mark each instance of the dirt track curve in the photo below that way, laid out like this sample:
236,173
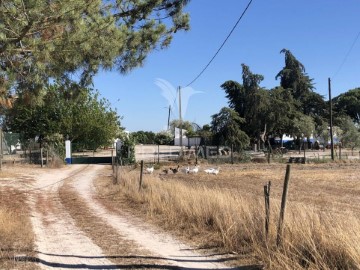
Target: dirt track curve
61,244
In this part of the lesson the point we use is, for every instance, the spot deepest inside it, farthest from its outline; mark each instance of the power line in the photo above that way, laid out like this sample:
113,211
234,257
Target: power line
347,55
222,45
174,103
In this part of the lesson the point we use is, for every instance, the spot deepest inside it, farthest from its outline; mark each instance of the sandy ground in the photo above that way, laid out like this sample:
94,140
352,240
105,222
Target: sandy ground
62,245
59,242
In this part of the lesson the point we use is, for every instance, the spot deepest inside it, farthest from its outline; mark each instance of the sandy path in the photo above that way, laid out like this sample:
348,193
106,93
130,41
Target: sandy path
60,244
160,244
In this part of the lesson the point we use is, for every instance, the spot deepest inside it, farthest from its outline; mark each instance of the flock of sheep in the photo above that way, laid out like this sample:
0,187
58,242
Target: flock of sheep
187,170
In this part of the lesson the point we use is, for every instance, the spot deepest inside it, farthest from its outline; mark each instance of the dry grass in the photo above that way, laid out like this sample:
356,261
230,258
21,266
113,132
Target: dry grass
16,236
56,162
227,211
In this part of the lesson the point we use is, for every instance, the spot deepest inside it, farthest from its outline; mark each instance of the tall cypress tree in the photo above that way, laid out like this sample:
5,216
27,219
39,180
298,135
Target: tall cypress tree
293,77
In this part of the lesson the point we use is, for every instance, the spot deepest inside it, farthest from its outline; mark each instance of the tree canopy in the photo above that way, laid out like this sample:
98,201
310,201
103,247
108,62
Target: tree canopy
226,128
176,123
292,108
249,100
348,104
293,77
79,115
42,39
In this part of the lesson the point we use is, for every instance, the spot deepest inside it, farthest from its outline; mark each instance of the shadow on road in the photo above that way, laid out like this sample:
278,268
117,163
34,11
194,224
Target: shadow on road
132,265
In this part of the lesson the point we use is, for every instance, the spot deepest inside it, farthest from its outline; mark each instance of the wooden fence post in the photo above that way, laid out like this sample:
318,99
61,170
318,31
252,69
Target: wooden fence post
339,150
269,152
116,171
1,149
41,157
141,174
267,208
158,154
112,160
304,155
118,174
283,205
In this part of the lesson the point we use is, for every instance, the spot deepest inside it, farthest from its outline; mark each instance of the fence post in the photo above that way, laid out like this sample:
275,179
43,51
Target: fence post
269,152
118,173
339,150
267,208
47,157
283,205
158,153
141,173
304,155
1,149
112,160
41,157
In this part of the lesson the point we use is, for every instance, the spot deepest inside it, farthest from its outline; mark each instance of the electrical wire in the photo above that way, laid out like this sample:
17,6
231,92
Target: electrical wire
222,45
174,103
347,55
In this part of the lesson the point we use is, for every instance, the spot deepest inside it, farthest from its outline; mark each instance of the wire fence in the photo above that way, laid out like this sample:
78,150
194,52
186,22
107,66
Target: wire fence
224,154
13,149
164,153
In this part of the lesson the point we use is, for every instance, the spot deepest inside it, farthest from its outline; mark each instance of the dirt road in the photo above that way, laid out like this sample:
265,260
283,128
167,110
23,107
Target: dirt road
61,244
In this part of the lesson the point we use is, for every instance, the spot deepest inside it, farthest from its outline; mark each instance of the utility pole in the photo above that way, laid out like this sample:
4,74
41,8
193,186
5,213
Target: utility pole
331,123
169,117
181,134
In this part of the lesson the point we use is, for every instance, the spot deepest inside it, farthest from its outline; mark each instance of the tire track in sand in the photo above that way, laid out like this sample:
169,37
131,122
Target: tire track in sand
162,245
59,243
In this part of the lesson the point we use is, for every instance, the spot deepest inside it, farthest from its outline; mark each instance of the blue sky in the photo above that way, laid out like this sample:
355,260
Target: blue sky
319,34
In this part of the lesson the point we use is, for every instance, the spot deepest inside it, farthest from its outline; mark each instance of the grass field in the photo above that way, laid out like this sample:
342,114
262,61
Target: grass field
224,211
322,228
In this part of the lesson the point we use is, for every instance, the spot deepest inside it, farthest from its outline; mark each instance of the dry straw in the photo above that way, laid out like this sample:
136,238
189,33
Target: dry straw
312,239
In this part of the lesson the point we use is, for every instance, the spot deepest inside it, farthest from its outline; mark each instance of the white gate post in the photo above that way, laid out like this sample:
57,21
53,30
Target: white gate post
68,152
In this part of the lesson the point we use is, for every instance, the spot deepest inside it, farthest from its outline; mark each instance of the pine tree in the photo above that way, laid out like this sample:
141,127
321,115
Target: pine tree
46,39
